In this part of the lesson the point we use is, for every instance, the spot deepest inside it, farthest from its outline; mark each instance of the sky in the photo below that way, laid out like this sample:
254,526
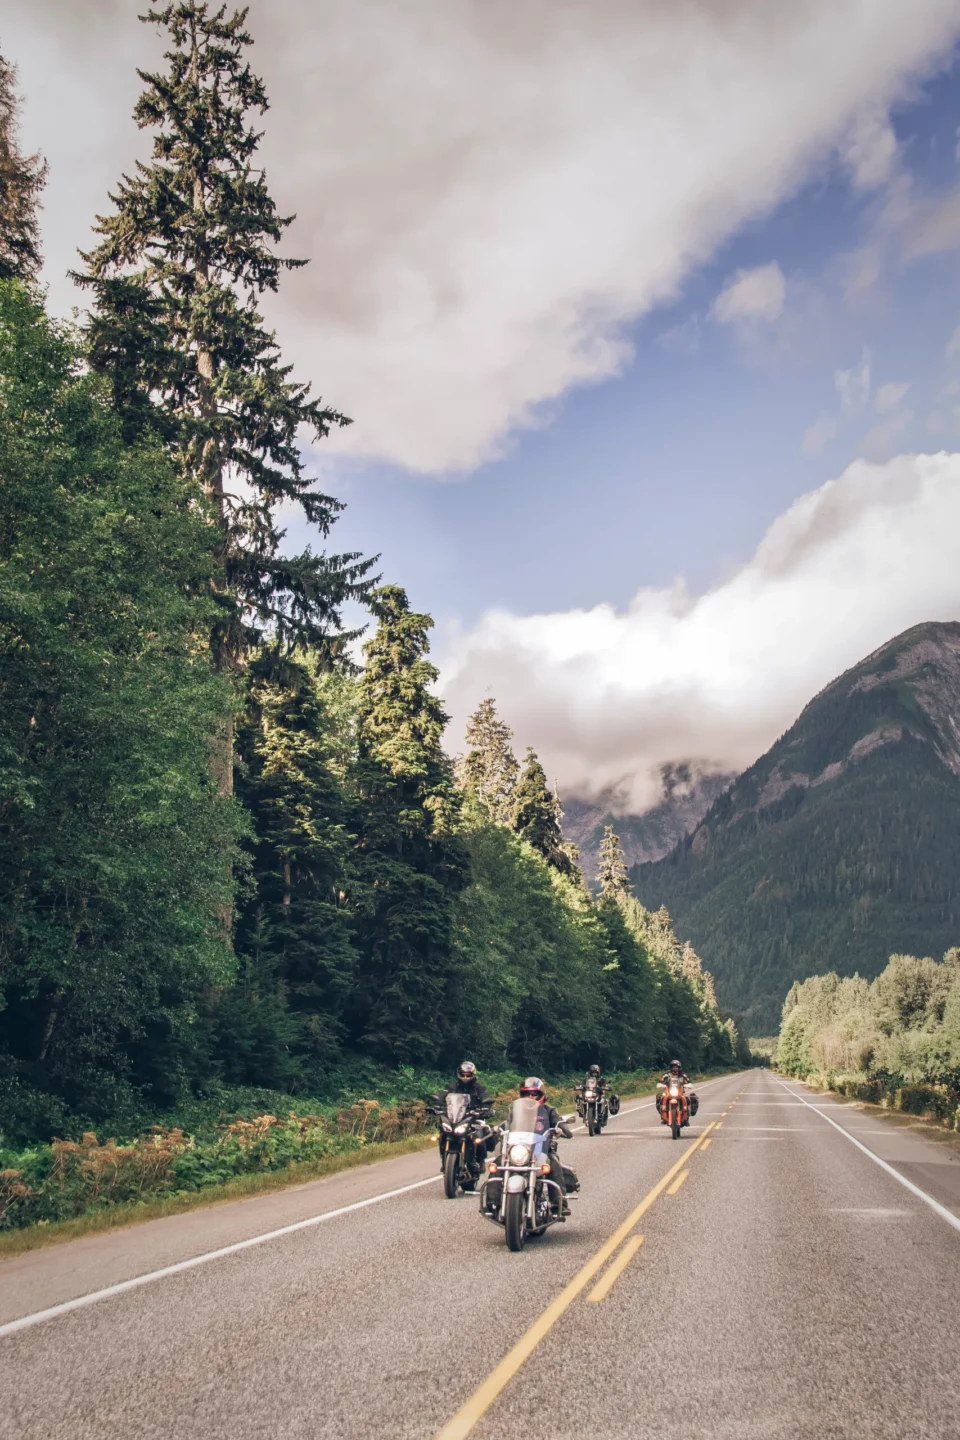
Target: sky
646,312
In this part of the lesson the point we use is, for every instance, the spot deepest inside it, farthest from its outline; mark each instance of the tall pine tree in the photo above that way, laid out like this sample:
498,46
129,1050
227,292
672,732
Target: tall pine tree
410,864
612,867
489,770
537,816
177,278
21,181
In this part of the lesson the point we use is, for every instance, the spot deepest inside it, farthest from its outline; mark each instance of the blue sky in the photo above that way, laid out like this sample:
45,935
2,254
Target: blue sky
679,465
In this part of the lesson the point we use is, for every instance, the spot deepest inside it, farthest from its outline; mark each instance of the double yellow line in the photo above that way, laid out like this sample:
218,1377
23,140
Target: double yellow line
482,1398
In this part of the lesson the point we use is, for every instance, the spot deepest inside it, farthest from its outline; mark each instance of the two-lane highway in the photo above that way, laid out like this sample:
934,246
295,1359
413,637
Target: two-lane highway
764,1277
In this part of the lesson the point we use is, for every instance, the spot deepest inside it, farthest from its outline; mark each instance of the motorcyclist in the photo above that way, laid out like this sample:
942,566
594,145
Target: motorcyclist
595,1076
674,1074
467,1083
549,1118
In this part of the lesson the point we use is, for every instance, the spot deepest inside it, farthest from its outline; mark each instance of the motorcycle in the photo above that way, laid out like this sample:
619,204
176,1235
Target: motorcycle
517,1191
673,1105
593,1107
461,1131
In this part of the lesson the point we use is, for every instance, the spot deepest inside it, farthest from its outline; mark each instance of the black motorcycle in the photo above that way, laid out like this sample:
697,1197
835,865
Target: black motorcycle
463,1135
593,1107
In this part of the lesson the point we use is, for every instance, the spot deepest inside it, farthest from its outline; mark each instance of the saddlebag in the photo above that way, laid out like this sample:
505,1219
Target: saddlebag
614,1103
694,1103
570,1182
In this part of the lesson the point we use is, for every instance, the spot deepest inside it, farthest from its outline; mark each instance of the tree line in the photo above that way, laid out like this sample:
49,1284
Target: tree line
229,854
900,1030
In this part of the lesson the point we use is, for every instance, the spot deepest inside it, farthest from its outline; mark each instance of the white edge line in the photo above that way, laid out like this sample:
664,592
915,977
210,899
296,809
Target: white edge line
941,1210
26,1321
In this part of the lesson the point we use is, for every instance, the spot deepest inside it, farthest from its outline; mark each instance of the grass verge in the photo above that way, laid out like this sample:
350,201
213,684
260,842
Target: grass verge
242,1187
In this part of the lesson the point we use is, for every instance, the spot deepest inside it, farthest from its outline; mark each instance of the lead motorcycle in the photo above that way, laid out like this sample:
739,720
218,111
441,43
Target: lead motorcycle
517,1191
463,1129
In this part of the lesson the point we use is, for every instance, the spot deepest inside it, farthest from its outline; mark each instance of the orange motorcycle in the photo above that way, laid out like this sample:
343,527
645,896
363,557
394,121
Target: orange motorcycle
674,1106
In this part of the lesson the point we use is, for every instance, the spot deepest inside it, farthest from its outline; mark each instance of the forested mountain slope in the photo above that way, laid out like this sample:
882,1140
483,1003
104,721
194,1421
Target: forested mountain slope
840,845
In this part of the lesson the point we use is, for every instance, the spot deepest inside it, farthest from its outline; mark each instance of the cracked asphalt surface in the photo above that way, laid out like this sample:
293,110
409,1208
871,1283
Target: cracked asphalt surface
790,1287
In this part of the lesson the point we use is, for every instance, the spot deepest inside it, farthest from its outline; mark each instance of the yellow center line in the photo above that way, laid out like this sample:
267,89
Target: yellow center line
483,1397
705,1144
613,1272
719,1125
678,1182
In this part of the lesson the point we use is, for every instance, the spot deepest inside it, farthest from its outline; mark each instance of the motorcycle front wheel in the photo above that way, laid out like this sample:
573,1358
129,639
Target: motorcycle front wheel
592,1127
451,1170
515,1221
675,1129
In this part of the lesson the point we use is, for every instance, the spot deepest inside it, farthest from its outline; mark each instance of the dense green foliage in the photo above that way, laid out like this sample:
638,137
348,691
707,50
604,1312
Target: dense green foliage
895,1038
839,845
111,842
228,856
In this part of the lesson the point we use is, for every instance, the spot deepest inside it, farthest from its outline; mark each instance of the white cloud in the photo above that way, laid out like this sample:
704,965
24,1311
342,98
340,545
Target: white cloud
870,150
756,294
953,344
888,397
718,677
491,191
853,386
823,429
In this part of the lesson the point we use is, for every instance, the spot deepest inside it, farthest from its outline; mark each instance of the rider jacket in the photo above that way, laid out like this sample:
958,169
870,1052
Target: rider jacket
668,1076
549,1117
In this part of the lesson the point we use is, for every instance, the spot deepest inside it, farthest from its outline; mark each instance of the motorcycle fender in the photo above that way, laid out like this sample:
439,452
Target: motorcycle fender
516,1184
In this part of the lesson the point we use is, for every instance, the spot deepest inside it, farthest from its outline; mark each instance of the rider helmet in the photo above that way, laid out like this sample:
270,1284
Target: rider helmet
533,1086
466,1071
594,1070
675,1067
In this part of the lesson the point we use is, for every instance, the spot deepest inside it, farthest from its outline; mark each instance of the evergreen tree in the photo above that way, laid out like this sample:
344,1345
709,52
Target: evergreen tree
177,277
410,863
22,178
294,934
612,867
537,814
489,770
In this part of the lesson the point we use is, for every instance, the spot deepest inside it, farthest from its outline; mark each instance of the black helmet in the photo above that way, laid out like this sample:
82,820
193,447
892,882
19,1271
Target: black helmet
466,1071
594,1070
675,1065
533,1085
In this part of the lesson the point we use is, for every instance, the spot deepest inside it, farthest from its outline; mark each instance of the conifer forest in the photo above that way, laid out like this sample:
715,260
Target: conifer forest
240,850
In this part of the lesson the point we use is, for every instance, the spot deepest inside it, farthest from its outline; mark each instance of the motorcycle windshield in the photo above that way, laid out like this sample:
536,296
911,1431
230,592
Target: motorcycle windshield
521,1124
457,1107
590,1090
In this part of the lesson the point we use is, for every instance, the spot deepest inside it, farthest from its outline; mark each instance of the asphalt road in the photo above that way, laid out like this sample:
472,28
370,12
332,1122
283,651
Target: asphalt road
787,1285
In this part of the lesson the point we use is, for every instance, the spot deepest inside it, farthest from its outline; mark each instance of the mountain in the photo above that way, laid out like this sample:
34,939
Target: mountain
841,845
687,794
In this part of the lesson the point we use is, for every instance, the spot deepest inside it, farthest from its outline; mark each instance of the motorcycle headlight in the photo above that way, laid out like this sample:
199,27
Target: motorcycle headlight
447,1128
460,1130
674,1092
519,1155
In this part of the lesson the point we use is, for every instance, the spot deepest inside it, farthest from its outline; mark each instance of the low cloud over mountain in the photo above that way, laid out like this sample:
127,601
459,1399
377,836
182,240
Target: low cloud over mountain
608,697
